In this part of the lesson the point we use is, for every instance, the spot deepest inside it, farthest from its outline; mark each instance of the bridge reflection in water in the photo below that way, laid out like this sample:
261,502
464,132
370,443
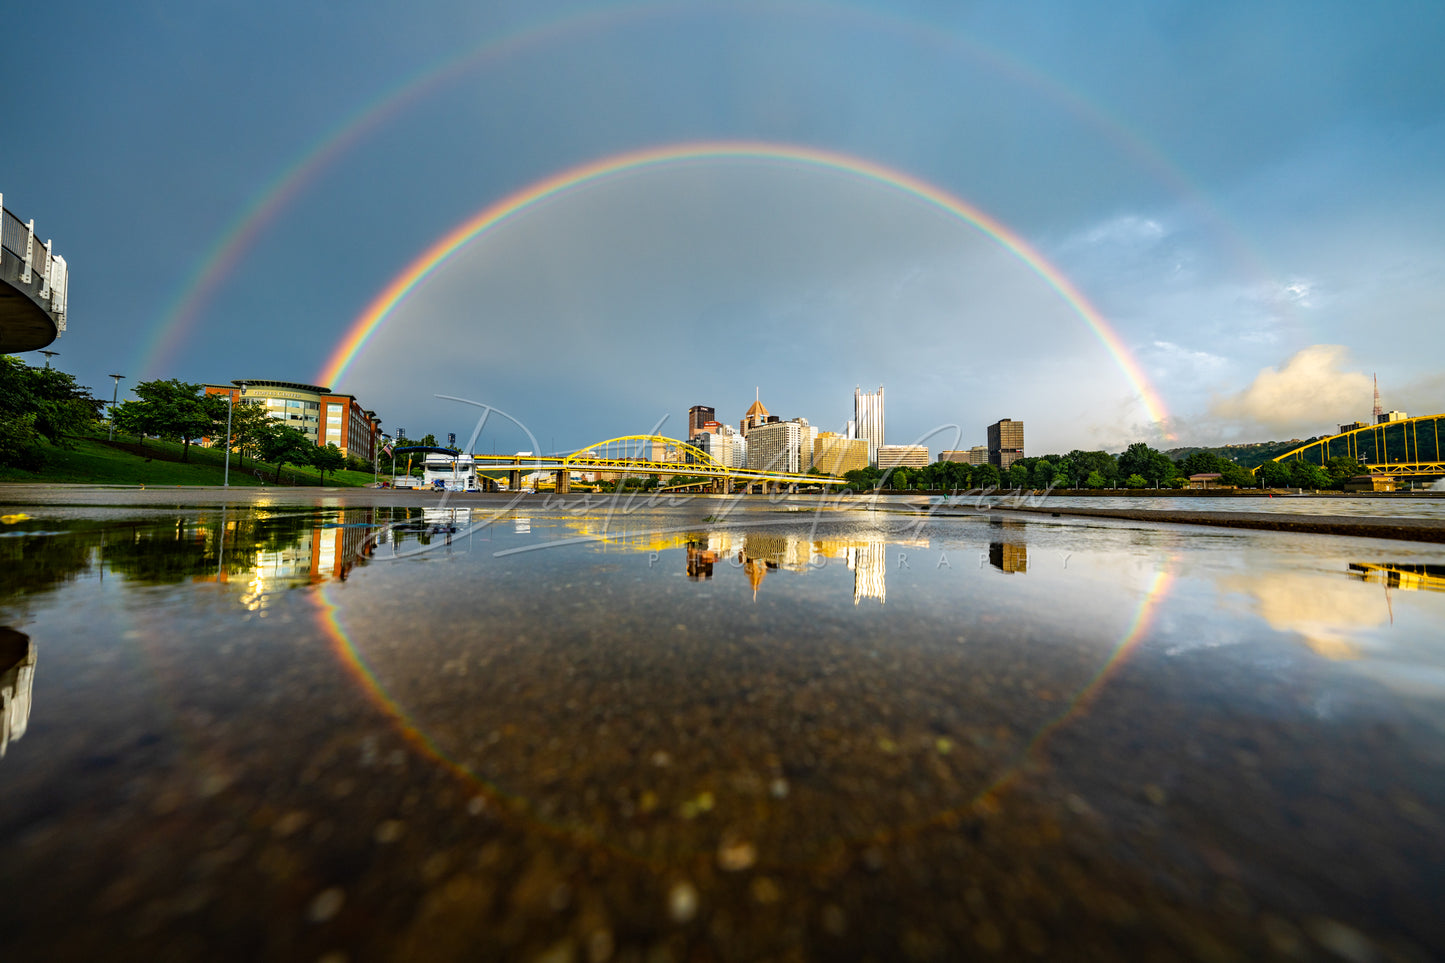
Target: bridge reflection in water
1408,577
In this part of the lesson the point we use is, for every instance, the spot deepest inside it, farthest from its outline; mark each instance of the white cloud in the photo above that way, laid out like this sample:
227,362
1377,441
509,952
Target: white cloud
1309,393
1128,229
1168,357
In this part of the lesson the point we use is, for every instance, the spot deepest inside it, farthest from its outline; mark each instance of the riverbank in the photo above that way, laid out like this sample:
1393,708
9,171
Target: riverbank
96,460
1409,529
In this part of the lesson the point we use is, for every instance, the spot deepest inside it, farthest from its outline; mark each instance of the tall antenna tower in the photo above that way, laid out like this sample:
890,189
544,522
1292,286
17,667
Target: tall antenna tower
1378,410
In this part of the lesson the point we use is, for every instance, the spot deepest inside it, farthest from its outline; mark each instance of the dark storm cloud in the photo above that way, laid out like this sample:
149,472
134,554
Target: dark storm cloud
1233,181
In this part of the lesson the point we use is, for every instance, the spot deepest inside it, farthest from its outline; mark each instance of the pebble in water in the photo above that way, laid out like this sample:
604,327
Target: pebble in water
735,854
1344,941
682,902
326,905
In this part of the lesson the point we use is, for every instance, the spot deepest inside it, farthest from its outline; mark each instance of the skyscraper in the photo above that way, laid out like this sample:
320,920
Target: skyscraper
697,416
778,446
868,419
757,414
1005,442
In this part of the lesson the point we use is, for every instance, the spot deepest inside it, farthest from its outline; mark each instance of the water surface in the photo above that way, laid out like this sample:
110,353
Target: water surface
677,733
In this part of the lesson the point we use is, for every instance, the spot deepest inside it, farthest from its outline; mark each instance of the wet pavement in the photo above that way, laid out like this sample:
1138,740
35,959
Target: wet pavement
355,727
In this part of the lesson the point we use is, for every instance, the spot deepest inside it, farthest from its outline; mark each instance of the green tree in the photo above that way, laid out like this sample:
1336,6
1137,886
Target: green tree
1275,474
1017,476
249,422
1095,480
38,403
1236,475
1087,462
1200,463
174,410
1135,480
1342,468
986,476
1155,467
329,458
948,475
863,479
1043,473
1164,471
1137,459
1066,471
17,441
1303,474
282,445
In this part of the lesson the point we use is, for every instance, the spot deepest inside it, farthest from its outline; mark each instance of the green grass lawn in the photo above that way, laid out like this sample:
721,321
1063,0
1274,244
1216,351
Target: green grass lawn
92,460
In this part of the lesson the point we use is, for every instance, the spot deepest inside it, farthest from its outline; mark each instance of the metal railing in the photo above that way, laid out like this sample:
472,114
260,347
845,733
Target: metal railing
35,264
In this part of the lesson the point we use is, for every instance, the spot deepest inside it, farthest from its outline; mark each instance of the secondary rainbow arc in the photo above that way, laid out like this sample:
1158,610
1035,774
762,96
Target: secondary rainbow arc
215,267
514,205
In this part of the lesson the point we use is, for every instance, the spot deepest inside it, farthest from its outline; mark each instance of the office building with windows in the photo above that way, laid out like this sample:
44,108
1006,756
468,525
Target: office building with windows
1005,442
902,456
757,414
324,417
868,419
977,455
724,445
777,446
835,454
698,416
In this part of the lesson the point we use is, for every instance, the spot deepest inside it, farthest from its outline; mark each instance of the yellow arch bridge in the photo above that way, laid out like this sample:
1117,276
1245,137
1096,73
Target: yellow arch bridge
640,456
1406,448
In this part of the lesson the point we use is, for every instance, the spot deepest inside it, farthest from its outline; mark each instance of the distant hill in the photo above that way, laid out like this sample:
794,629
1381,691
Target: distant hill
1250,455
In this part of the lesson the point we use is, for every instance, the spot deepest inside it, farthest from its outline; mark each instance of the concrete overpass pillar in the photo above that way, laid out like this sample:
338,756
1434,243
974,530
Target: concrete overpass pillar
514,480
564,481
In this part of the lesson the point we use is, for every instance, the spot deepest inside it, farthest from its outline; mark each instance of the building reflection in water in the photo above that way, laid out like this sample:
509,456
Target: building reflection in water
700,560
1009,553
1429,578
869,564
1008,557
757,553
17,676
307,552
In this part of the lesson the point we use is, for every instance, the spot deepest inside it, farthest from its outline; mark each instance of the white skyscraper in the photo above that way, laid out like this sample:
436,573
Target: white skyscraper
868,419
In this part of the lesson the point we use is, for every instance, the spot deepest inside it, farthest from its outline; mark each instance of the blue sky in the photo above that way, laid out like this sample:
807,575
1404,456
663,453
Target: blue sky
1250,193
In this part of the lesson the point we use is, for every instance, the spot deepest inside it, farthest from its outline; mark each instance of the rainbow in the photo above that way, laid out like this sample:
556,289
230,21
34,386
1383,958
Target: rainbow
558,185
989,799
274,196
1134,636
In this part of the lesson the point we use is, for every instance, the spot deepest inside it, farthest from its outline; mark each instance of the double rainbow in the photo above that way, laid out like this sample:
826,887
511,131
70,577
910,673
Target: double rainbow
577,178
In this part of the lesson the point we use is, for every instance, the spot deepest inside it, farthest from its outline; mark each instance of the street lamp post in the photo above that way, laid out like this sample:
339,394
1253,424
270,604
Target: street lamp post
114,396
226,474
230,407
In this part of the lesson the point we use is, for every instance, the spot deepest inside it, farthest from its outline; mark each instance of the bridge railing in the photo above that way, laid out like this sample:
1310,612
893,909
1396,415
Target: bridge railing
29,260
